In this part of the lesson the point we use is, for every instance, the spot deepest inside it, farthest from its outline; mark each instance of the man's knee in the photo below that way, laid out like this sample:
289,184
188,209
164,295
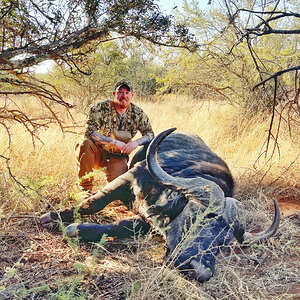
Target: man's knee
116,167
87,146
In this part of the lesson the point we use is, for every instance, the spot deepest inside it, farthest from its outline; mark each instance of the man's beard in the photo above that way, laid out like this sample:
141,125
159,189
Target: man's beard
123,103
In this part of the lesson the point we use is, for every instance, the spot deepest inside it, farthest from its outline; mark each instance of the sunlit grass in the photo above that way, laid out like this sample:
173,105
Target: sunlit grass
239,140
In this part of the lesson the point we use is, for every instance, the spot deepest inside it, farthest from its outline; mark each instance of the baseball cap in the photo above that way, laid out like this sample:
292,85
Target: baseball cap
123,82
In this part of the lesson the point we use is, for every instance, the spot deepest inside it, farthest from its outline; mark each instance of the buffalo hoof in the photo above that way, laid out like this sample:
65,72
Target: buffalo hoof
49,220
200,272
72,230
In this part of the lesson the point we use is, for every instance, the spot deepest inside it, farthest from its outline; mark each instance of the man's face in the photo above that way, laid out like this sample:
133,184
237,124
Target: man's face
122,97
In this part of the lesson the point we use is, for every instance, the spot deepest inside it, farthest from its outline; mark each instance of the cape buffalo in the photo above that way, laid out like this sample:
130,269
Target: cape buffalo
183,190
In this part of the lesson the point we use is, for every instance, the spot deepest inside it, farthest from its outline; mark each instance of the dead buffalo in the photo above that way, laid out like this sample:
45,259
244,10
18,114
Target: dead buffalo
185,194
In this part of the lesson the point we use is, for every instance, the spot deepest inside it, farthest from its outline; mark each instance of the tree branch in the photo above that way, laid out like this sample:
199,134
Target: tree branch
276,75
260,32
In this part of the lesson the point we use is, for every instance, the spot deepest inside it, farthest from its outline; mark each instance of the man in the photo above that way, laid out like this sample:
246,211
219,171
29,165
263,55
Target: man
111,127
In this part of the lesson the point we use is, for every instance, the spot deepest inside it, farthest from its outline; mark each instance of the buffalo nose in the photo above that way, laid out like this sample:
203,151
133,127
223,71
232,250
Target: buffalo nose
199,271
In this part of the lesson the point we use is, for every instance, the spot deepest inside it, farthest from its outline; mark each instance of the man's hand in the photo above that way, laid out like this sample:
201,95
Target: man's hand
127,148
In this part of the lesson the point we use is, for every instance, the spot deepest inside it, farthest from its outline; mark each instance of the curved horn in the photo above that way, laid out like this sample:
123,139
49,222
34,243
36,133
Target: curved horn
191,188
155,169
255,237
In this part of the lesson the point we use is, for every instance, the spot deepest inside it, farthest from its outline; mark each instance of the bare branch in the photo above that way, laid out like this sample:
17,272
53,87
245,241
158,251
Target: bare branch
11,174
268,30
282,13
275,75
272,120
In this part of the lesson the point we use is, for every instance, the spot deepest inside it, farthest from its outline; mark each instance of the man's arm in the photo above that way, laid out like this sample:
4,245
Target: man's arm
101,139
129,147
148,137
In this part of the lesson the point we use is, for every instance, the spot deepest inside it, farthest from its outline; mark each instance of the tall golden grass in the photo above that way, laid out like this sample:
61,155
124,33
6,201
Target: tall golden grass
50,169
239,140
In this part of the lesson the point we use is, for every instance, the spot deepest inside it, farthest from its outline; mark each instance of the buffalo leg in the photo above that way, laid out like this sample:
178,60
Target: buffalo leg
92,232
118,189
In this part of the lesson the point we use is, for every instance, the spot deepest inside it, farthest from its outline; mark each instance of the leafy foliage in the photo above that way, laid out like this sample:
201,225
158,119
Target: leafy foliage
68,31
110,62
233,58
55,30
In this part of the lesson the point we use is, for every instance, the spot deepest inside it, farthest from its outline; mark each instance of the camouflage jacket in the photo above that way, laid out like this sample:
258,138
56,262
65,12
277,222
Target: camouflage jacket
103,118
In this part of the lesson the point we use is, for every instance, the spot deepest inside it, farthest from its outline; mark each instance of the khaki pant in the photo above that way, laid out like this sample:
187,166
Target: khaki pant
92,156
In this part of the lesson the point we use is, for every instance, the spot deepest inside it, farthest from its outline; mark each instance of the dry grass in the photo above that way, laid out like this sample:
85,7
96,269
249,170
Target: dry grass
39,265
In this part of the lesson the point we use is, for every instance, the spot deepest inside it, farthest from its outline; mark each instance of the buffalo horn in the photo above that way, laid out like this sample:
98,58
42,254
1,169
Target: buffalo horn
155,169
250,237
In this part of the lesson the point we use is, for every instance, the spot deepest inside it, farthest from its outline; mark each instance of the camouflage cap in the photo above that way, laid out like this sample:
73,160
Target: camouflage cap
123,82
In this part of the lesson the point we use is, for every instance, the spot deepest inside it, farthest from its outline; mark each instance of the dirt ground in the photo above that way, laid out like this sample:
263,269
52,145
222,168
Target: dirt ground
37,264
